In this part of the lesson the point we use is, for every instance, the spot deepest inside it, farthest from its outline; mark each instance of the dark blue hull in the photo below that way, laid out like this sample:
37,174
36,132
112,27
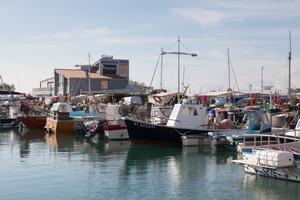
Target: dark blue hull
142,131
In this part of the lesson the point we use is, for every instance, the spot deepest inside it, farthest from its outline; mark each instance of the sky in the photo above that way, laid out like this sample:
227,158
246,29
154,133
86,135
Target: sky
37,36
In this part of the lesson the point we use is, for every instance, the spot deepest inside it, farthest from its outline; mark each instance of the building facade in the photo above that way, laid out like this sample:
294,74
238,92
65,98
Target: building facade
107,75
45,89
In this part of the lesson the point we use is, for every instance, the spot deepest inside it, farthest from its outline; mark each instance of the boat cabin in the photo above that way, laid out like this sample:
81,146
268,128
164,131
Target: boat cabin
61,107
188,115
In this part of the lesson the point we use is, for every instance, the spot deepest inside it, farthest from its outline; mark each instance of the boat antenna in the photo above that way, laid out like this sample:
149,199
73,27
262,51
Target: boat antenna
290,58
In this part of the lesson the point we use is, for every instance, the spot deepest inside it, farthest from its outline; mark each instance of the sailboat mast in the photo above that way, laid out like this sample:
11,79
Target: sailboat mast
178,84
183,74
290,58
89,73
161,69
228,69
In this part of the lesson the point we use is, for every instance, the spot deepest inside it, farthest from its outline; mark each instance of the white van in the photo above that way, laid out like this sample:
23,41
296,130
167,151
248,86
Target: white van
136,100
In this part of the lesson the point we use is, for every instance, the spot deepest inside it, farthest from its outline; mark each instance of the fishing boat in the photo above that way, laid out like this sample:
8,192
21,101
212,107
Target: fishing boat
272,163
59,121
33,121
110,126
255,122
9,108
278,160
186,118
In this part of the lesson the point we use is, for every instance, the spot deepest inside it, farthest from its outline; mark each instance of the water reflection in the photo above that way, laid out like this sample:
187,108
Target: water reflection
118,170
140,156
222,156
60,142
26,138
111,147
269,188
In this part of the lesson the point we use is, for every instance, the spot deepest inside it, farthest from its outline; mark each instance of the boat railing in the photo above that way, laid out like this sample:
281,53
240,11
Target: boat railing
266,140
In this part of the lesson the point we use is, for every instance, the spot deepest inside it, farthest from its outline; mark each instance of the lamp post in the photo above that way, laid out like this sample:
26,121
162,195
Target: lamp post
178,53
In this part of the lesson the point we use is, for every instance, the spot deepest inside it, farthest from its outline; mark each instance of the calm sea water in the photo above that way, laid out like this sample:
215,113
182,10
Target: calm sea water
38,166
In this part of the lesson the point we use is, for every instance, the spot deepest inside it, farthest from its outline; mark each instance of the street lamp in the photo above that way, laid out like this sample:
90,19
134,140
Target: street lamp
178,53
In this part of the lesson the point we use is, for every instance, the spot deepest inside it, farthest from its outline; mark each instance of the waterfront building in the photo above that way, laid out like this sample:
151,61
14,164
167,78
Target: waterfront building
45,89
107,75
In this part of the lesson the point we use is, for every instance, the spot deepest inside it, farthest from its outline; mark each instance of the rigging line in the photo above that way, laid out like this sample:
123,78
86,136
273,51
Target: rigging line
171,47
77,85
155,69
85,86
184,46
280,71
279,77
237,85
93,60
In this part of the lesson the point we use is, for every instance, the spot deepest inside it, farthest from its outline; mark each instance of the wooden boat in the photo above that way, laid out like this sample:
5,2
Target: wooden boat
59,121
33,121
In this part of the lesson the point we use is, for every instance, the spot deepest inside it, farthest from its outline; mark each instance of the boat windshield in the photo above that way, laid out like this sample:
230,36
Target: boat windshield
256,119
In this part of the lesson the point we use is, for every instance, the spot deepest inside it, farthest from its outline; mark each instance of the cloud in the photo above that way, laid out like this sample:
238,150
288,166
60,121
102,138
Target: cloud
78,33
217,12
200,16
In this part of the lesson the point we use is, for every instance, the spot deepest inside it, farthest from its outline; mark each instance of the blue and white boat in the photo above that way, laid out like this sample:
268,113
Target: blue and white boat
256,122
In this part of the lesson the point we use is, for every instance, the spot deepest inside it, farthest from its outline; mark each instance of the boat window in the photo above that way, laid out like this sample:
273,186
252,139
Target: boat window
166,112
192,111
195,112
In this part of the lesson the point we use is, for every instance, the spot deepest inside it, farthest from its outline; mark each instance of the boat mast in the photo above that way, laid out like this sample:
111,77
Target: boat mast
89,73
183,75
262,83
161,69
229,88
290,58
178,84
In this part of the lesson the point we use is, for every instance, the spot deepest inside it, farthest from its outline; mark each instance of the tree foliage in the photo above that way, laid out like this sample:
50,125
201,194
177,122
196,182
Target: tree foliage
6,87
142,86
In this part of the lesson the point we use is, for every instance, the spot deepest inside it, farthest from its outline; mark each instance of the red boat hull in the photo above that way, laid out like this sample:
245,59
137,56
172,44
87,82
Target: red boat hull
33,122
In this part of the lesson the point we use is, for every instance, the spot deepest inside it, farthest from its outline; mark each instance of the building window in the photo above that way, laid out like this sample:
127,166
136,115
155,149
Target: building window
123,70
109,69
104,84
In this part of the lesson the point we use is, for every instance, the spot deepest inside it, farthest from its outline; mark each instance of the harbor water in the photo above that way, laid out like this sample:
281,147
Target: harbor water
34,165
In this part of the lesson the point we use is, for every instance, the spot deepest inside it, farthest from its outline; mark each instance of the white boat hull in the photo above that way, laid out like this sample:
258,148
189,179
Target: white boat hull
117,134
